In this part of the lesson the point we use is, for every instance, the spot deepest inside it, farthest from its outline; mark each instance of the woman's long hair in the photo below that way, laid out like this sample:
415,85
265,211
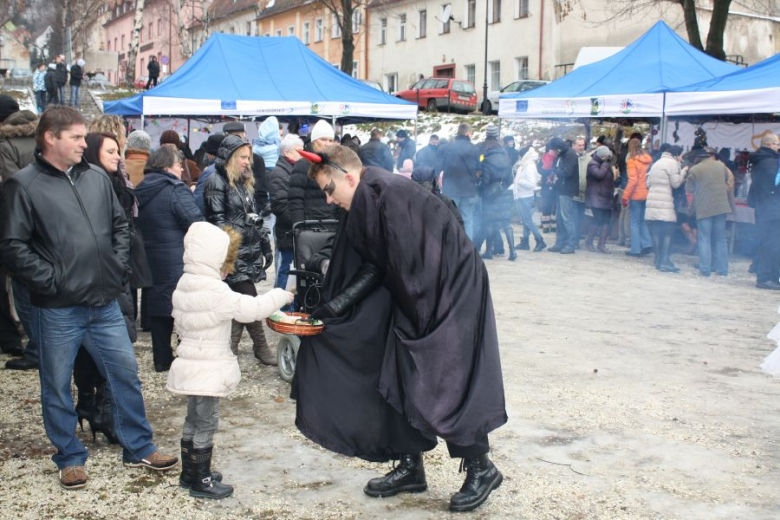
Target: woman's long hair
234,176
635,148
94,144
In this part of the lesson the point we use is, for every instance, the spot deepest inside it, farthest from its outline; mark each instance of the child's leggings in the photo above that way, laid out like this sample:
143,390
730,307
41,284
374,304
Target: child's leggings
202,420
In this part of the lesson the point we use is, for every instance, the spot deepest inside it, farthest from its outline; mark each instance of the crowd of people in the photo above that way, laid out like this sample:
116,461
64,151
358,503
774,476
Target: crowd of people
50,81
103,231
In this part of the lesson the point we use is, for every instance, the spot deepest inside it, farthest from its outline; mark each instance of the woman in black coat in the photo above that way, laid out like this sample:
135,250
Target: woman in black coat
497,199
166,209
599,193
229,200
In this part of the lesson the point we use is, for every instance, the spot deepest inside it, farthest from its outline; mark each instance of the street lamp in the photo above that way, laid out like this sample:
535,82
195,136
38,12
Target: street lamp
485,84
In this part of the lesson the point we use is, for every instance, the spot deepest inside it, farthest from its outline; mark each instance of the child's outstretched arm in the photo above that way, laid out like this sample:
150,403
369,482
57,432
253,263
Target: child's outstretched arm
247,309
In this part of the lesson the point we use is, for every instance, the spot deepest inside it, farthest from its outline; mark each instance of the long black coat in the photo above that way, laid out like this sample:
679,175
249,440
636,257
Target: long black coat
460,157
429,157
764,195
567,173
305,199
166,209
278,186
601,184
496,178
376,153
441,365
227,205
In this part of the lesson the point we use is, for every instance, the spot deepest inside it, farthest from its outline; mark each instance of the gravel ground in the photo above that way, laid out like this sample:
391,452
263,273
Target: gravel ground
631,394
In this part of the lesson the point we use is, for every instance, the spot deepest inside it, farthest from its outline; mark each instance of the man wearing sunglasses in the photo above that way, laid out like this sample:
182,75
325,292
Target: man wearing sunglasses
440,367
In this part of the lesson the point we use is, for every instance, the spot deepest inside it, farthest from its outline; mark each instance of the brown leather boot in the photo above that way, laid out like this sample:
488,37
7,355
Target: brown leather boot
235,336
262,351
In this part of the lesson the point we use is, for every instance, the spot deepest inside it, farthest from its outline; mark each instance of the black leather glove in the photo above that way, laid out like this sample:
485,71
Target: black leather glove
368,278
269,259
323,312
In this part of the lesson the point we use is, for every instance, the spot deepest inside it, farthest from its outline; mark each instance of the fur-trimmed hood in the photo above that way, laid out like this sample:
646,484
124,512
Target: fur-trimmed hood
210,250
19,124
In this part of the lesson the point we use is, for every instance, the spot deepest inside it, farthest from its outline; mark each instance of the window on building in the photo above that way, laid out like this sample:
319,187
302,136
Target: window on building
445,24
149,32
495,14
521,68
335,27
267,35
495,75
391,82
108,45
142,66
422,24
140,36
318,30
356,21
249,28
383,31
402,28
159,27
116,47
278,32
522,8
291,30
123,43
306,37
471,13
471,74
355,69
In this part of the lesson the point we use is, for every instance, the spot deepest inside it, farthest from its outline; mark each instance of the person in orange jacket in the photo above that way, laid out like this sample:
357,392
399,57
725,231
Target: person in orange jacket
635,197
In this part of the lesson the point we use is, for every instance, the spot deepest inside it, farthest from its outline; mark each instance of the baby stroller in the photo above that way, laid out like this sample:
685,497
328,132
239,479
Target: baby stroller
309,237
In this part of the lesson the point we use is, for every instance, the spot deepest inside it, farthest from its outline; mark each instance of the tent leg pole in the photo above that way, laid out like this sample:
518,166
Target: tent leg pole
333,123
189,140
499,128
142,121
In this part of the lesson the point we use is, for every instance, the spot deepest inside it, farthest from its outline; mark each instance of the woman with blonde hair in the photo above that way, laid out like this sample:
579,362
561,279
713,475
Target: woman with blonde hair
229,200
638,162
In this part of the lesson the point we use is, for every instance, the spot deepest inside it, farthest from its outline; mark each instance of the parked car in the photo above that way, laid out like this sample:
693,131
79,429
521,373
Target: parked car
444,94
21,73
97,81
522,85
372,84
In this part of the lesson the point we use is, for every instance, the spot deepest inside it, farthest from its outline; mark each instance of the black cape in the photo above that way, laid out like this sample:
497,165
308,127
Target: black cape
337,374
441,365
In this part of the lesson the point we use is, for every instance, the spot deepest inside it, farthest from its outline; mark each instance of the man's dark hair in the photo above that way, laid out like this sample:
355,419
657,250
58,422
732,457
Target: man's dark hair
674,150
55,119
376,133
432,137
463,129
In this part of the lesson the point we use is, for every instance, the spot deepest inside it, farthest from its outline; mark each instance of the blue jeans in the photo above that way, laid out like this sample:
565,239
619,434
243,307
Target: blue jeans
74,96
283,269
61,94
525,210
579,213
566,216
640,234
24,310
102,331
712,239
469,209
40,100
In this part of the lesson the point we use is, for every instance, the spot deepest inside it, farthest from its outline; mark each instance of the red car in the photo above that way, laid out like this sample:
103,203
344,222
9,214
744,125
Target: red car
442,94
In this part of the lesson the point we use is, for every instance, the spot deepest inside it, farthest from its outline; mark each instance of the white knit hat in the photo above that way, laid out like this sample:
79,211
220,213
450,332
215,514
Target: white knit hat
322,129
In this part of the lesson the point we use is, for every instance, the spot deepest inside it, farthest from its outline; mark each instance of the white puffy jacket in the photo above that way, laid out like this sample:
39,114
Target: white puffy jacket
527,177
203,309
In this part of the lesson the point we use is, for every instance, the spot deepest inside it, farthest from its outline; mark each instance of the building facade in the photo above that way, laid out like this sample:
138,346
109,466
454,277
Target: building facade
530,39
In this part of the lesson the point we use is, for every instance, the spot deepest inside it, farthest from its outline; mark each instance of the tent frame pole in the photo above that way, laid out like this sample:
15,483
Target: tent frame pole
664,121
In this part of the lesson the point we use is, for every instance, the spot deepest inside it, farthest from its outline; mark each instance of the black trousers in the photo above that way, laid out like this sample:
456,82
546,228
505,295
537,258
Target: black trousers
481,447
162,328
10,338
151,82
768,255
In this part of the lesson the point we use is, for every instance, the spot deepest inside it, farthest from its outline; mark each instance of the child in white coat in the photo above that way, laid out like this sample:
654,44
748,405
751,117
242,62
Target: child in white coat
206,369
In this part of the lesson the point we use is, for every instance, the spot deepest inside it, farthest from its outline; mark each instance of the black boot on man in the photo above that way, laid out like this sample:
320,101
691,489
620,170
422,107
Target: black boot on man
203,483
187,469
407,477
482,477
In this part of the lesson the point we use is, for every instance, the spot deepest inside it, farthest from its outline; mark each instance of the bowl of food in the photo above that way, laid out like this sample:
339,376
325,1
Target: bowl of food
296,323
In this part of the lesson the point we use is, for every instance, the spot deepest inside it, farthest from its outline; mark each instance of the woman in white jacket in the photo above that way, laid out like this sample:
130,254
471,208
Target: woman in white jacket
206,368
660,214
527,180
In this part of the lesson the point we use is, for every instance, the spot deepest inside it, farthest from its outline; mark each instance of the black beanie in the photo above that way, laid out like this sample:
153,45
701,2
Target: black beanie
8,106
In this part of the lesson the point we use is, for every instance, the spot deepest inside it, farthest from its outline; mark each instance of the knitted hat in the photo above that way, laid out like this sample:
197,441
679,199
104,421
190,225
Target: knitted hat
170,137
491,131
227,148
139,140
322,129
603,152
212,143
8,106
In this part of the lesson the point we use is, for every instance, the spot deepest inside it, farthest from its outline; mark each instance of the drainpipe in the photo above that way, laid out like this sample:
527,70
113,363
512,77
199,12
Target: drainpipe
541,36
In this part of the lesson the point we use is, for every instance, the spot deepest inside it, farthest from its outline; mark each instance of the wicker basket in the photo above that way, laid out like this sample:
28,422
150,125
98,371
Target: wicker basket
297,329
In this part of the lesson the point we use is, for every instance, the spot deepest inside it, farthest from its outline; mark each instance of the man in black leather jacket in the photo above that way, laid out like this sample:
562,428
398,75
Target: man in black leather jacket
64,235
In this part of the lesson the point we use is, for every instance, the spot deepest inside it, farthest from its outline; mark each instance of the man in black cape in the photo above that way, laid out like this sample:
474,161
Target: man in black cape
410,350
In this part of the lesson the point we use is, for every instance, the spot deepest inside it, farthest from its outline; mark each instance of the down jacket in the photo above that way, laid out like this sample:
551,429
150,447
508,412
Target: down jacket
227,205
203,310
663,177
527,177
278,186
305,199
17,142
601,184
637,167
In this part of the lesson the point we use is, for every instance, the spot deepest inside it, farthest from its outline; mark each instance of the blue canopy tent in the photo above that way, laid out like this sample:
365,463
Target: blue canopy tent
631,83
754,90
261,76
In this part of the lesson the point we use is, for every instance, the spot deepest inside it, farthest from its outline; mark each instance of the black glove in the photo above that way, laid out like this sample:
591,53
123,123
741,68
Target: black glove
322,312
266,211
269,259
362,284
